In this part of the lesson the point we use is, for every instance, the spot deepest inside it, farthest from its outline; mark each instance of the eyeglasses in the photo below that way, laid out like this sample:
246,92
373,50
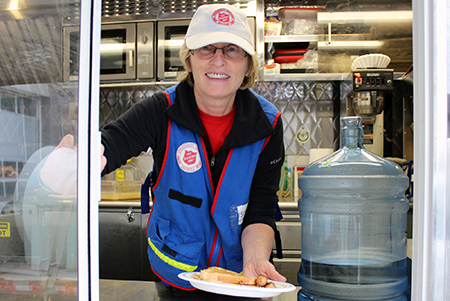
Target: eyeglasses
230,51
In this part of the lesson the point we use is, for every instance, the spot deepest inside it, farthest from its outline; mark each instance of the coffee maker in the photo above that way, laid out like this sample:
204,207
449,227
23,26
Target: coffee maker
370,85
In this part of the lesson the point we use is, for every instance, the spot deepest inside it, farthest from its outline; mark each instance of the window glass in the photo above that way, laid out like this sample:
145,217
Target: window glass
38,224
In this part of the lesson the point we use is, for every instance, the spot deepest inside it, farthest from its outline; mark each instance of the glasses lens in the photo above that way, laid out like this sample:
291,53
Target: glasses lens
234,52
206,51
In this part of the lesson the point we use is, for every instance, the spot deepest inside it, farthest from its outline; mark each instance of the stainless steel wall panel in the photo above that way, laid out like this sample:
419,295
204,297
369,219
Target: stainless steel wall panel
310,104
115,101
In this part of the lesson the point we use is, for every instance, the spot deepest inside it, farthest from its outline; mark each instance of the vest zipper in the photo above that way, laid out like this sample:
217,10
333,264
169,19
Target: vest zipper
213,161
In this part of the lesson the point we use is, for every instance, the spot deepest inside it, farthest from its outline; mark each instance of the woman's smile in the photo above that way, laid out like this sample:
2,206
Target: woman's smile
217,75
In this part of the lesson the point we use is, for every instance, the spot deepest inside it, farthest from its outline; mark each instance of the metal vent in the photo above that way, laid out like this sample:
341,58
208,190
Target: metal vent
156,9
177,6
142,8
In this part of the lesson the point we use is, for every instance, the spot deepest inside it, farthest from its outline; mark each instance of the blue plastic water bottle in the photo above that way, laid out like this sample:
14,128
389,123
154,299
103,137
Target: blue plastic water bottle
353,212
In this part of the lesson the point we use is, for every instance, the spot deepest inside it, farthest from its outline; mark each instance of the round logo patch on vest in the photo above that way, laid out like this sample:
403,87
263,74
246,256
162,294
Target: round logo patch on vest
223,16
188,157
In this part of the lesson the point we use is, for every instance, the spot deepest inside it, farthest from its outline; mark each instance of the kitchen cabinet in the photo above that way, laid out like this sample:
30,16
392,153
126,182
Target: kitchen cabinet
290,229
122,241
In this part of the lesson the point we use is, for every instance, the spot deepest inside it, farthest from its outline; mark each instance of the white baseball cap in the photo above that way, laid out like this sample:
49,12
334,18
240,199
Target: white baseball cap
219,23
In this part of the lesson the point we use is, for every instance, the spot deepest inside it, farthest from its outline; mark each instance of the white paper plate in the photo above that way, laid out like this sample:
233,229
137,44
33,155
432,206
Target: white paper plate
236,289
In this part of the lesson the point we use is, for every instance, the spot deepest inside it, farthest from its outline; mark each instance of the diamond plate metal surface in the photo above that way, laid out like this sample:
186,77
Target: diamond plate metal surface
116,101
313,105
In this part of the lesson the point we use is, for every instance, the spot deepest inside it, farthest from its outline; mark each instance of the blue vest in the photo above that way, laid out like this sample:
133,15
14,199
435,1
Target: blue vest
191,227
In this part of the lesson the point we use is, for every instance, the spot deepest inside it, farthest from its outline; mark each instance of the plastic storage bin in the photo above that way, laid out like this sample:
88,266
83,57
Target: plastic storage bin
121,190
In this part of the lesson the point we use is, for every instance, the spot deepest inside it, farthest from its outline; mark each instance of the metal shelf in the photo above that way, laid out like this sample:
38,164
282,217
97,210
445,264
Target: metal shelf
291,38
8,180
306,77
106,84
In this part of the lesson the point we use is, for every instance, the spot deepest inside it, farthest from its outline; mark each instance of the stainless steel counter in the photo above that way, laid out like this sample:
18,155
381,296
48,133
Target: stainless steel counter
286,204
113,290
123,229
120,290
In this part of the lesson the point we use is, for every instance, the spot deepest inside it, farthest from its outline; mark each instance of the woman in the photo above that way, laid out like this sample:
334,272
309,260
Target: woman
218,151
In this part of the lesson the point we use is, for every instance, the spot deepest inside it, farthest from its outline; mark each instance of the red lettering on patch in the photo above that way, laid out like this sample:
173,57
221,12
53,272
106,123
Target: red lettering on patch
189,157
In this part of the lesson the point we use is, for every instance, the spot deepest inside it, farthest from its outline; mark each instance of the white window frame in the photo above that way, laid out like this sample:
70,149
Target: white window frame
88,190
431,217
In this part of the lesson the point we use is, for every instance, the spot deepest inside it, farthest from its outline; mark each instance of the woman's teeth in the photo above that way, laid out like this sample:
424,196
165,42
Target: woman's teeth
216,75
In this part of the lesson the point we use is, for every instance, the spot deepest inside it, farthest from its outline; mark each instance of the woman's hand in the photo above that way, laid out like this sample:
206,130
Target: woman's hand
102,158
262,267
59,172
257,243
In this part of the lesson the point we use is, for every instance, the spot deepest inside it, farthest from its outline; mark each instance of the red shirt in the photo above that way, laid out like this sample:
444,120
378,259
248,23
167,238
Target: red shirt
217,127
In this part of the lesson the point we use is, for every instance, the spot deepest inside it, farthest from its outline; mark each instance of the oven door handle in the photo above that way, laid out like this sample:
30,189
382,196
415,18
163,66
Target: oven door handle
131,58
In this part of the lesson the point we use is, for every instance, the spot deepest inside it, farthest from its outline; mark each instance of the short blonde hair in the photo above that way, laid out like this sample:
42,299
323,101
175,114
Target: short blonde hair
248,81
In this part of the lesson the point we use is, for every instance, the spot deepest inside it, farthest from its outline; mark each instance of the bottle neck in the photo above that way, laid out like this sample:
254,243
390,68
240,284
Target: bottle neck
352,134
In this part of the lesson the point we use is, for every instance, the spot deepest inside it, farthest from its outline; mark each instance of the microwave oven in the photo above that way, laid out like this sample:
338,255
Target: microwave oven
126,51
170,38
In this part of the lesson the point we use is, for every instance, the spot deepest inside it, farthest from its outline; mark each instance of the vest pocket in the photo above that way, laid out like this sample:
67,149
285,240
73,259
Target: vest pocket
185,199
174,247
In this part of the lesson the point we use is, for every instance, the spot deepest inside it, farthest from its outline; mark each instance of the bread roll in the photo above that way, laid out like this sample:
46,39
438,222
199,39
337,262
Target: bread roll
220,275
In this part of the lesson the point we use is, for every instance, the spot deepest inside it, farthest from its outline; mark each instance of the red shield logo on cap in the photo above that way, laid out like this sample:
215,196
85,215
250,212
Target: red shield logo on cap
223,17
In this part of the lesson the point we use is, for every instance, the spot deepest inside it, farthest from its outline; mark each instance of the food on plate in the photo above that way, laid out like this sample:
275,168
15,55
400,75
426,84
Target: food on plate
261,280
220,275
270,284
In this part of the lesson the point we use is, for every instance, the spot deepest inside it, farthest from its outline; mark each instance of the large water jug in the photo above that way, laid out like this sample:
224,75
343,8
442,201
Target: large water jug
353,212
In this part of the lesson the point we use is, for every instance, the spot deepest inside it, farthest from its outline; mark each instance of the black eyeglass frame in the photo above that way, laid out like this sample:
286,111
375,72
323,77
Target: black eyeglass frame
223,52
